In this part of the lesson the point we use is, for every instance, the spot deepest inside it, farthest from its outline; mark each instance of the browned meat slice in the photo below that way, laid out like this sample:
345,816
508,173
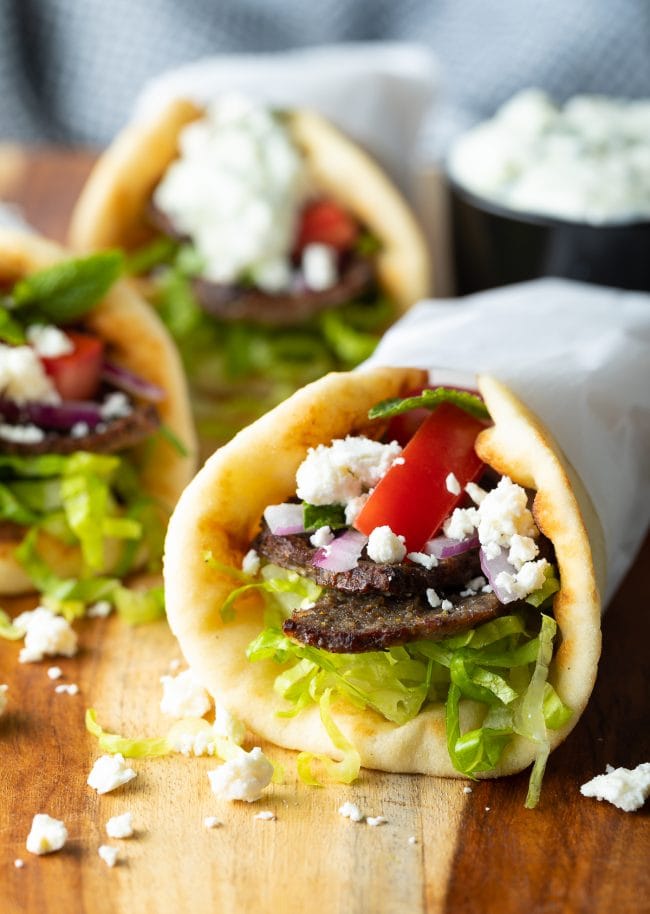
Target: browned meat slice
234,303
239,302
109,437
354,623
296,552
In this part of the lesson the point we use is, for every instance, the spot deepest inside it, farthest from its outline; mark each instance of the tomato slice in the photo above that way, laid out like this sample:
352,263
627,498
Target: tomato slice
77,375
412,498
325,222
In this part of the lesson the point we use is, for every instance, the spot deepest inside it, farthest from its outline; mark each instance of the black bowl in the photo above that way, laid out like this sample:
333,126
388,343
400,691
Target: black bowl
496,246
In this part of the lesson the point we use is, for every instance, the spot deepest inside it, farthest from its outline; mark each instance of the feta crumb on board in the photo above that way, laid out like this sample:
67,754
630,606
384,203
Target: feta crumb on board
108,854
212,822
184,696
46,835
46,634
120,826
228,726
193,736
467,790
374,821
110,772
265,816
54,672
67,688
351,811
626,788
243,777
18,863
385,546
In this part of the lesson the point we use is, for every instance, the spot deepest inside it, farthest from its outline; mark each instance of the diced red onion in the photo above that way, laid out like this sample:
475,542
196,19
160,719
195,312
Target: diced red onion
443,547
131,383
491,568
61,416
343,553
285,519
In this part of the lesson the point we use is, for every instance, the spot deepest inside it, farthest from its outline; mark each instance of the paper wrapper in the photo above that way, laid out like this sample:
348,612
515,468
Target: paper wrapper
378,94
579,357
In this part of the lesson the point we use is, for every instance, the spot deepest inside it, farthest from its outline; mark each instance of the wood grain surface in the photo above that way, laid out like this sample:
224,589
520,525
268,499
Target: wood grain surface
477,852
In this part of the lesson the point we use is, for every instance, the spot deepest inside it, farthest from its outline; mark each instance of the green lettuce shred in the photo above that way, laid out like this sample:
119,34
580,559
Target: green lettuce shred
501,667
139,607
129,748
344,771
7,629
431,398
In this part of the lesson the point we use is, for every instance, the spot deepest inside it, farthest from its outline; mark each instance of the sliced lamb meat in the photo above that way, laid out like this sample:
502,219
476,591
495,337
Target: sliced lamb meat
354,623
235,302
296,552
111,436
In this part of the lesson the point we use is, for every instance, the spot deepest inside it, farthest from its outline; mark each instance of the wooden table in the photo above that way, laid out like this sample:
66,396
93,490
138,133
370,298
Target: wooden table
473,852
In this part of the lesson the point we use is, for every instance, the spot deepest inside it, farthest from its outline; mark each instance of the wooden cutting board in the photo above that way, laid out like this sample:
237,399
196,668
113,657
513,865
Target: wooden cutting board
480,851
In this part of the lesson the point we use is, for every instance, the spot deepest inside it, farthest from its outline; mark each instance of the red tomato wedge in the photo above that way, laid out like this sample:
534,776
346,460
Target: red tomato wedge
325,222
412,498
77,375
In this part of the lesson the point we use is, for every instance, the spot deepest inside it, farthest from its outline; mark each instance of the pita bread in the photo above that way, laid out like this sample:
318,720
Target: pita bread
221,510
111,208
140,343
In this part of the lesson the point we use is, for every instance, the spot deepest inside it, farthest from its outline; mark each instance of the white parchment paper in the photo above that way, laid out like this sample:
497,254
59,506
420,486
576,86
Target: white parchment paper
378,93
579,357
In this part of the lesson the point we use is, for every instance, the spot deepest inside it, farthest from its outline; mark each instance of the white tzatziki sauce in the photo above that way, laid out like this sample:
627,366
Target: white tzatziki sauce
236,190
588,161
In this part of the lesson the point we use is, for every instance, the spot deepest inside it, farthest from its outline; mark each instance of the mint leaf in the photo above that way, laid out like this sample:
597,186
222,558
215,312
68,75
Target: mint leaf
64,292
430,399
315,516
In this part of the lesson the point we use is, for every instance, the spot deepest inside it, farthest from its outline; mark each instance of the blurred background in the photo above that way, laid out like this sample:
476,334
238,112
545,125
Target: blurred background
70,69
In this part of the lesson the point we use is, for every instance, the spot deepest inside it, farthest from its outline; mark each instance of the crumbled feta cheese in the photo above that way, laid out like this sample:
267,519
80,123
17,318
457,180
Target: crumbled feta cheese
467,790
48,341
120,826
413,840
477,582
351,811
385,546
421,558
46,835
374,821
184,696
212,822
321,537
45,634
452,485
193,736
99,610
250,564
486,589
527,580
626,788
353,508
339,472
319,266
503,513
18,863
175,665
3,697
522,549
266,815
446,606
236,190
399,462
55,672
487,808
108,854
80,430
22,434
23,378
243,777
67,689
432,598
228,726
110,772
461,524
115,406
475,492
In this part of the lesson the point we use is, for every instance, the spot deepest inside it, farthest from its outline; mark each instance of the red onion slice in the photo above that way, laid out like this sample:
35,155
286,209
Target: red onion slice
343,553
285,519
443,547
491,568
60,416
131,383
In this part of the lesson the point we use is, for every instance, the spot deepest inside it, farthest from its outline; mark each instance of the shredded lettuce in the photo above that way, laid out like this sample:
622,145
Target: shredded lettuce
7,629
500,666
343,772
138,607
431,398
130,748
550,586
